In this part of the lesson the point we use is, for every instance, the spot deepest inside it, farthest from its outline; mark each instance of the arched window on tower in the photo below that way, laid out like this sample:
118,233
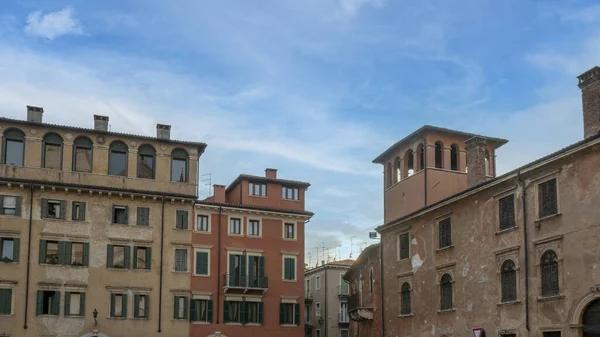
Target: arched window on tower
82,154
439,154
117,159
146,162
179,166
454,157
13,150
397,170
52,151
446,292
487,163
405,299
410,165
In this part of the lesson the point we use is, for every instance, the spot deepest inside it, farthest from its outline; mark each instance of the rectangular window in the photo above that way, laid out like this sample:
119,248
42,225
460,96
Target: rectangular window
344,333
119,256
403,242
83,159
5,301
181,221
201,311
48,302
142,257
254,312
53,209
119,215
143,216
180,307
202,264
52,156
179,170
254,227
118,305
289,314
255,189
289,268
318,309
289,231
51,252
9,205
232,311
235,226
318,283
547,198
74,304
141,306
76,254
181,260
9,248
14,152
256,272
202,223
318,333
445,233
78,211
237,270
343,312
307,313
290,193
551,333
506,212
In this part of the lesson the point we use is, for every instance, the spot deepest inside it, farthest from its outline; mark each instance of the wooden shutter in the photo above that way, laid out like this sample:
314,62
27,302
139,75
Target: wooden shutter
143,218
243,312
209,311
297,314
281,313
178,220
148,258
16,249
126,214
39,308
81,211
127,257
251,277
185,308
18,201
109,256
146,306
243,270
68,252
185,220
63,209
261,272
135,258
261,310
112,305
292,269
136,306
507,212
86,254
67,303
232,270
124,311
44,204
202,263
1,204
225,311
81,304
56,303
61,252
5,301
194,315
547,198
176,307
42,251
445,234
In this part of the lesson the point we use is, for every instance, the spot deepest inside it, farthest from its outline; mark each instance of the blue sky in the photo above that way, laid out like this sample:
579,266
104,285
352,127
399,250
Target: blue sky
315,88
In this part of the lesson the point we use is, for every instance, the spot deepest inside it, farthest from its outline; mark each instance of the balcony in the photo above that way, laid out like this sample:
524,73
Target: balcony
236,282
343,318
343,290
308,296
359,311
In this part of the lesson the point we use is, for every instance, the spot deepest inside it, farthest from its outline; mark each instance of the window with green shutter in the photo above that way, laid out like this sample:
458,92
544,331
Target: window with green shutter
143,216
142,258
9,250
10,205
118,305
118,256
181,260
74,304
289,269
201,310
53,209
181,220
202,265
48,302
78,211
120,214
232,311
5,301
289,314
180,307
141,306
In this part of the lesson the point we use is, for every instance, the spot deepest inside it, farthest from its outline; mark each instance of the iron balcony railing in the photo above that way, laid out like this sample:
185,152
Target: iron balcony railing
308,295
244,282
343,290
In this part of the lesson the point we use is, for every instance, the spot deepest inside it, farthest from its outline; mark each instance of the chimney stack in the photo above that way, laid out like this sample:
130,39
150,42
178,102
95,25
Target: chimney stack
219,193
34,114
163,131
475,160
589,83
271,173
100,123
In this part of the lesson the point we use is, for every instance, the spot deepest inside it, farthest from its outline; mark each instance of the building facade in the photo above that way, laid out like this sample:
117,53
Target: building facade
85,224
364,304
514,255
326,300
248,257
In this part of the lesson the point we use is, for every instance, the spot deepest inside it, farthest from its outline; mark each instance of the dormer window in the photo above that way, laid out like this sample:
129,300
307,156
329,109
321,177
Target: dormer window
257,189
290,193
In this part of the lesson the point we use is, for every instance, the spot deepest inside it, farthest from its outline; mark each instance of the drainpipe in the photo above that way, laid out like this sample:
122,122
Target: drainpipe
219,263
526,248
28,254
381,277
425,169
162,249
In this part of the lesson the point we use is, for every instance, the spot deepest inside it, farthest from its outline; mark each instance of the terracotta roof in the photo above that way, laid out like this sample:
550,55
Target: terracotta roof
379,160
487,183
260,208
201,146
241,177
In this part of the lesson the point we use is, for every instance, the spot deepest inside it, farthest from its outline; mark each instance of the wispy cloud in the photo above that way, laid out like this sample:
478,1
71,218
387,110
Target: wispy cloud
588,14
53,24
353,6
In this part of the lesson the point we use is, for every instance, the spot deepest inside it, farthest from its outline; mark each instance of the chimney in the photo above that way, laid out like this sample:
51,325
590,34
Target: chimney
100,123
589,83
475,160
271,173
163,131
219,193
34,114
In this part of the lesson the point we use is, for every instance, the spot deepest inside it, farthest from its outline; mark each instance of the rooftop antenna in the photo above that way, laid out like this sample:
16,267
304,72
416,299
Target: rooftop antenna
351,247
323,252
309,259
206,180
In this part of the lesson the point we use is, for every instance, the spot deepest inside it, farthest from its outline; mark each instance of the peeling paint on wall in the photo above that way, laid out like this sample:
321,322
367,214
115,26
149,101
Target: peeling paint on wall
466,269
416,262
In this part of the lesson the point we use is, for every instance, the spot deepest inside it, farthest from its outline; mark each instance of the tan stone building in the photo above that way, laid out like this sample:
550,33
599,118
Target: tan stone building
514,255
89,226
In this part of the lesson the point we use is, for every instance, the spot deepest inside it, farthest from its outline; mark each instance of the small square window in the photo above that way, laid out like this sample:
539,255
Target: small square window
445,233
78,213
232,311
289,314
141,306
507,212
6,301
289,268
254,227
119,215
547,198
201,311
180,307
181,221
181,260
235,226
255,189
253,311
403,242
9,249
53,209
142,258
77,254
48,302
289,193
9,205
51,252
289,231
202,223
74,303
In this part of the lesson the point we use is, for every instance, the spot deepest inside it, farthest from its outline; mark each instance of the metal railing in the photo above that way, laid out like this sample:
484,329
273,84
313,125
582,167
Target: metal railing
308,295
241,281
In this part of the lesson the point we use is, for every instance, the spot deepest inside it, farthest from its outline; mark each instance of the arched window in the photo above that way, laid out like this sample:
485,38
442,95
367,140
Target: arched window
405,299
146,162
410,163
52,151
82,154
439,154
117,159
388,175
179,166
549,267
421,156
509,281
13,150
487,163
454,157
371,281
446,292
397,170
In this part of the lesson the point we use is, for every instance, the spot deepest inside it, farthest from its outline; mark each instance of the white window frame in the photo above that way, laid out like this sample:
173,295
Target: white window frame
295,193
260,231
13,208
229,217
201,250
295,225
318,283
318,309
198,214
283,257
251,189
187,262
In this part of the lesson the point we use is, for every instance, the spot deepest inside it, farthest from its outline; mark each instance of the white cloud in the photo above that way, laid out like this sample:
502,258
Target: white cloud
351,7
53,24
589,14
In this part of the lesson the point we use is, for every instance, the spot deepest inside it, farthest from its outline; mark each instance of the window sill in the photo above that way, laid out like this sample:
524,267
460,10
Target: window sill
288,239
253,324
254,236
506,230
120,224
141,318
142,226
200,323
54,219
296,200
180,320
550,298
180,271
198,275
51,264
181,229
548,217
289,325
7,315
258,196
439,250
234,323
445,311
142,270
6,262
202,232
289,281
47,315
117,318
233,234
505,304
117,269
406,315
74,316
